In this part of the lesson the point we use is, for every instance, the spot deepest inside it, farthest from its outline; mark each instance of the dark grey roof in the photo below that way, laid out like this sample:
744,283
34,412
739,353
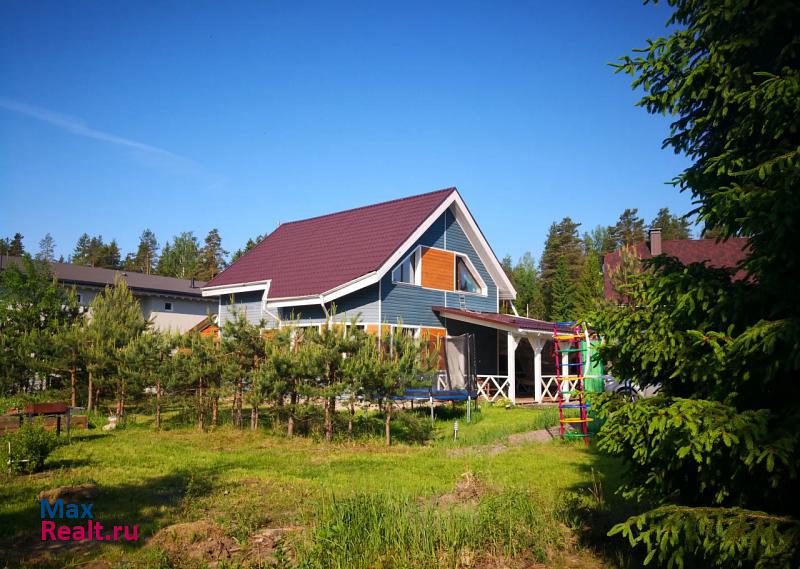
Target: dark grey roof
68,273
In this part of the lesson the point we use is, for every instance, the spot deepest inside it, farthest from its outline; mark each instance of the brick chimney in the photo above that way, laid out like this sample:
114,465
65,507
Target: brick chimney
655,241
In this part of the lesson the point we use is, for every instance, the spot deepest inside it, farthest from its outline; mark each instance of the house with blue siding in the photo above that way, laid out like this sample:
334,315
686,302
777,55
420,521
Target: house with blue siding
418,265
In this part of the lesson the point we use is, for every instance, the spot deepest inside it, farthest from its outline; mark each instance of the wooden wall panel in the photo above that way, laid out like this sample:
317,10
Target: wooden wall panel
434,339
438,269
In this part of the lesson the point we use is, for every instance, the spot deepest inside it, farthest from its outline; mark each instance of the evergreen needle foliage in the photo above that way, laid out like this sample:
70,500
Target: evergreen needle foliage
714,459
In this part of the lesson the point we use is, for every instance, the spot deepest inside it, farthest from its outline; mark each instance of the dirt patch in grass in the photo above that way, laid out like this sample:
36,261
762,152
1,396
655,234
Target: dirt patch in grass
469,488
195,543
270,545
205,544
538,436
70,494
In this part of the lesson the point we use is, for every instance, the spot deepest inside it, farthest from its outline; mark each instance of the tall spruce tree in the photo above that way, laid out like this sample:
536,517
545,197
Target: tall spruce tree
714,460
563,243
563,294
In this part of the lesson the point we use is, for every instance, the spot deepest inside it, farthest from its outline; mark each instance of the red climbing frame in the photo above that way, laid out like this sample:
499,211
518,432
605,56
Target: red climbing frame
570,384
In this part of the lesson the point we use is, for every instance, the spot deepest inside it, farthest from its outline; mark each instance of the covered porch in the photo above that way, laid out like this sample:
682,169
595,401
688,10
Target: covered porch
515,356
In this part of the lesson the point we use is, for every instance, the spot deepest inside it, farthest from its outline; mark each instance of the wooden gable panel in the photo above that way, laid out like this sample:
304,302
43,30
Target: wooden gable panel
438,269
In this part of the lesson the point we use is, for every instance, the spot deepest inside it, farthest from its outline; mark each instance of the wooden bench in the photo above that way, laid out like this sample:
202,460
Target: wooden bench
53,416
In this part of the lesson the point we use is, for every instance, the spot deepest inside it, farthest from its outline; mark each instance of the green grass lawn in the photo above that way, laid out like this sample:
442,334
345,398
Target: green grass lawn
444,503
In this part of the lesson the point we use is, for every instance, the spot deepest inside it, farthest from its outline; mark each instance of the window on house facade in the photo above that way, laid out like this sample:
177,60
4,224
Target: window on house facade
168,307
79,297
465,280
408,271
407,331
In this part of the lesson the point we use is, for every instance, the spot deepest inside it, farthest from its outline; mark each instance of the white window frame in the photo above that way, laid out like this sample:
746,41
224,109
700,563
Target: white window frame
416,262
171,306
484,290
417,330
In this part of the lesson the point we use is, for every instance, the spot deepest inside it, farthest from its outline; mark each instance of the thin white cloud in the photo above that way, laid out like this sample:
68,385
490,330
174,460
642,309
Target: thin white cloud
78,126
148,154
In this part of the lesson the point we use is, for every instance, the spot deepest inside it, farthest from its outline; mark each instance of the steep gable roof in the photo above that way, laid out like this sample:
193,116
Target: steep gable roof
312,256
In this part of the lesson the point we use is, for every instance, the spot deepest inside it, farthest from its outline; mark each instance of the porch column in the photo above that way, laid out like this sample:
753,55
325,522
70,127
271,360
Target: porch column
537,343
565,364
513,342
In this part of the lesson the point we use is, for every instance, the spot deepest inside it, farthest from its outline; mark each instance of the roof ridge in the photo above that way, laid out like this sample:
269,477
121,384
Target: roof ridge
396,200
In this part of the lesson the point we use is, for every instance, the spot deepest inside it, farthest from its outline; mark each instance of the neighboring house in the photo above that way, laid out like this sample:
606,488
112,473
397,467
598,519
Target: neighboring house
417,265
724,254
171,304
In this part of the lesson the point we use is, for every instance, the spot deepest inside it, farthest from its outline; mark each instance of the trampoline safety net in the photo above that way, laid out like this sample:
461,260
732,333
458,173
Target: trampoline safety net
459,364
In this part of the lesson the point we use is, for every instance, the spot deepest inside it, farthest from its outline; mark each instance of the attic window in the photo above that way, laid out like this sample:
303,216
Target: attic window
168,307
465,280
408,269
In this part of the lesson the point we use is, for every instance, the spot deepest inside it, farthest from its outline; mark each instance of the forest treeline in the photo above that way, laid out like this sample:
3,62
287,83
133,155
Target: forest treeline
568,281
565,283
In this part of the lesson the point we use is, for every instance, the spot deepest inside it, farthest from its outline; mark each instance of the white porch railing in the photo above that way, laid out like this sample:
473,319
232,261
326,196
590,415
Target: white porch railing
493,387
550,387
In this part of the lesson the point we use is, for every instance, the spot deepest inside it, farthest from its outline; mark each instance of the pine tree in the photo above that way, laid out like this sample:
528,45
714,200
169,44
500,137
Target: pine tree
508,266
116,321
110,256
629,229
563,294
564,244
671,226
589,290
94,252
249,245
147,361
529,301
212,256
181,258
47,249
15,247
146,257
244,345
80,255
33,309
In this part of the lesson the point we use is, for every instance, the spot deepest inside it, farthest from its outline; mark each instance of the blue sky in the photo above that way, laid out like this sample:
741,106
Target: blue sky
179,116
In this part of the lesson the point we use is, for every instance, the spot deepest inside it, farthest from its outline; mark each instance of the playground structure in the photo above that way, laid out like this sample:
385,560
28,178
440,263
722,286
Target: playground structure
577,373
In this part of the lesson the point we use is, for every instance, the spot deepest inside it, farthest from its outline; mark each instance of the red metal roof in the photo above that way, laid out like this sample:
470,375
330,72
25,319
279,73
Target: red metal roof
506,320
312,256
725,254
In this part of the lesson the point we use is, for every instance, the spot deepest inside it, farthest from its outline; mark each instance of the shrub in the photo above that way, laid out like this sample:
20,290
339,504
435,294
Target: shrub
30,447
